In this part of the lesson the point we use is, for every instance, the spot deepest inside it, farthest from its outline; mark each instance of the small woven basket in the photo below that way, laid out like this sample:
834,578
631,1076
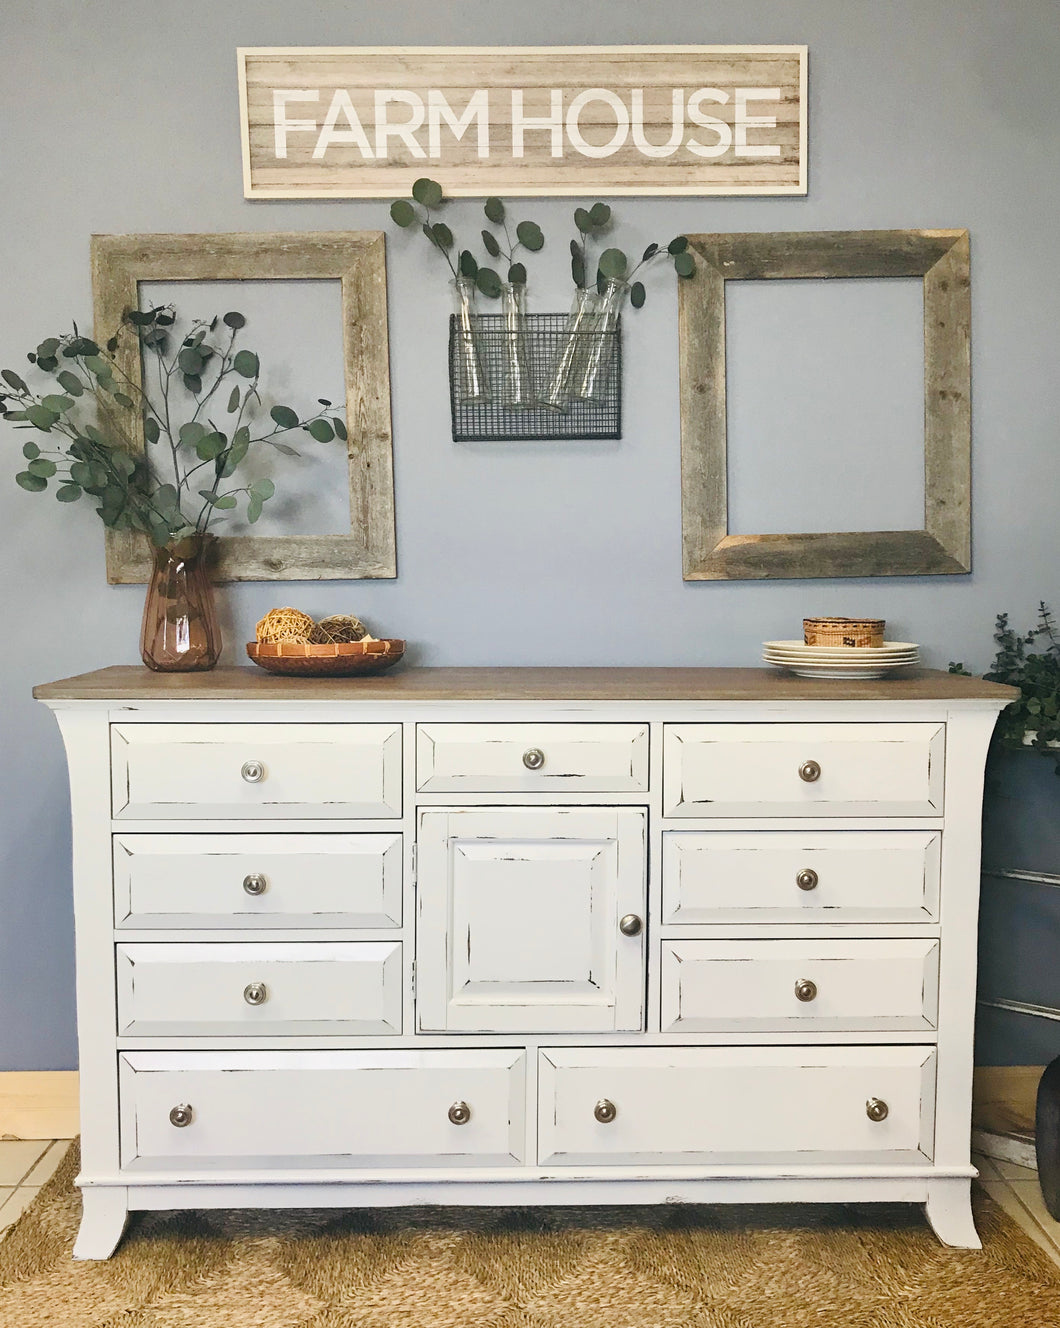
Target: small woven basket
843,631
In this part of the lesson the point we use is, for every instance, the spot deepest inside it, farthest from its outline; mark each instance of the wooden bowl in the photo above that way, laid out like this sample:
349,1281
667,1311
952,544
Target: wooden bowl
335,660
843,631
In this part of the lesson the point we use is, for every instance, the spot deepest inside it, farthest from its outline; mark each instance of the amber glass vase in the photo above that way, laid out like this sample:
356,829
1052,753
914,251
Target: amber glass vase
180,632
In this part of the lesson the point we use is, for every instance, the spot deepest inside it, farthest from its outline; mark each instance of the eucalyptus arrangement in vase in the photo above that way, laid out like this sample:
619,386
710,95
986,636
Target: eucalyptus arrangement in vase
198,406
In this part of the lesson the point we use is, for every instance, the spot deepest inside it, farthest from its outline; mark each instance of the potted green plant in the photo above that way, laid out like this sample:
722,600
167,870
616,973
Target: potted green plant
199,408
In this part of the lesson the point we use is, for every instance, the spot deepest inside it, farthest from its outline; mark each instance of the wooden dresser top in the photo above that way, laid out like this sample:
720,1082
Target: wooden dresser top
131,683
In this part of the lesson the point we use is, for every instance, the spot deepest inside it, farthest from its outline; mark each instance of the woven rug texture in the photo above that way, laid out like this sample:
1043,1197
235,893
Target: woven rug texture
691,1266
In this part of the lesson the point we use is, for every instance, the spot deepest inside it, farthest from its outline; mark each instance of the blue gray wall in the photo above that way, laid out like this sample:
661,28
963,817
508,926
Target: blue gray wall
120,116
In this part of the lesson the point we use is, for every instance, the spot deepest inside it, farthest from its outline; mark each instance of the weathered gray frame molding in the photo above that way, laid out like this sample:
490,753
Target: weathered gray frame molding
356,259
944,545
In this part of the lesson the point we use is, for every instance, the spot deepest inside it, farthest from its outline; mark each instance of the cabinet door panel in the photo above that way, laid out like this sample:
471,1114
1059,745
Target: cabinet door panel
519,920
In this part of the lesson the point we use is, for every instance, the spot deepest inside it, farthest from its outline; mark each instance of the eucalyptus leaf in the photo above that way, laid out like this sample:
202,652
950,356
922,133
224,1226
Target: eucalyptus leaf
234,320
123,400
30,450
48,363
263,489
677,245
637,294
340,428
68,493
12,380
80,346
32,483
167,500
193,383
582,220
190,360
442,235
43,467
47,348
577,269
151,430
324,401
59,404
70,382
489,241
684,265
530,235
517,274
402,212
613,263
246,364
191,432
286,449
285,417
650,252
488,282
210,446
321,430
494,210
225,503
233,401
81,473
41,417
124,463
427,192
253,509
599,215
468,264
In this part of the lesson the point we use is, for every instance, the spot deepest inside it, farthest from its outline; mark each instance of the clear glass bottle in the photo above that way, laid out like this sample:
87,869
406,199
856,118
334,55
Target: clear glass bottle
571,349
470,380
179,633
517,383
593,375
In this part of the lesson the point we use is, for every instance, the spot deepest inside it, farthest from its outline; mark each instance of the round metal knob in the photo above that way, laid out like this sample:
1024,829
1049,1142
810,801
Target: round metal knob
806,989
876,1109
253,771
605,1111
255,884
630,925
809,772
460,1113
534,758
255,993
181,1116
806,879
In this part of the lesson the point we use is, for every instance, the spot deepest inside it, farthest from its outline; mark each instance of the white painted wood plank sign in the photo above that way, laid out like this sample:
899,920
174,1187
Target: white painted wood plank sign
365,122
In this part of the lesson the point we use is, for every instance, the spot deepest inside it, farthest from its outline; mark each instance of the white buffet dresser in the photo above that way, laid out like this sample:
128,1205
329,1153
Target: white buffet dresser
524,936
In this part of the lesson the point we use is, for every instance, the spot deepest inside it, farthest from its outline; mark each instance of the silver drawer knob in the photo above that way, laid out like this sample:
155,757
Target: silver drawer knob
809,772
806,879
255,993
181,1116
253,771
605,1111
255,884
876,1109
806,989
630,925
534,758
460,1113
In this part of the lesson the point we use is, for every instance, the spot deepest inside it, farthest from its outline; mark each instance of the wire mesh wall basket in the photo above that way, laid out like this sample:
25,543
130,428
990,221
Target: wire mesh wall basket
535,380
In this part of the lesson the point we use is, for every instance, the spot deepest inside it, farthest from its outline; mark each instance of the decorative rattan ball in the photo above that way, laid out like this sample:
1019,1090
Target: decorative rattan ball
338,629
286,625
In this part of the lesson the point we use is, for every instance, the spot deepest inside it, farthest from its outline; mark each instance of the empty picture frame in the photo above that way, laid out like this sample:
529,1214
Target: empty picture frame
943,546
356,260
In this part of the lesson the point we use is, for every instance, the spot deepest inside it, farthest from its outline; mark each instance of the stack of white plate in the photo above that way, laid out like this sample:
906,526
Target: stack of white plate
841,661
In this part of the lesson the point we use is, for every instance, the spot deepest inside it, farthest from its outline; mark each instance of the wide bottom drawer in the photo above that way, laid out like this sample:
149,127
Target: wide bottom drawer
702,1105
350,1108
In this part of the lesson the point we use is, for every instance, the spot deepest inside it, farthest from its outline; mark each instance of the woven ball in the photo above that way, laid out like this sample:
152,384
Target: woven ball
286,625
338,629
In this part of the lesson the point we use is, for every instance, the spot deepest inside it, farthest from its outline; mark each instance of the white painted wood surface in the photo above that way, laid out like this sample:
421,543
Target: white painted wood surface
182,770
519,914
857,876
200,881
753,769
857,985
484,758
260,989
553,1009
694,1104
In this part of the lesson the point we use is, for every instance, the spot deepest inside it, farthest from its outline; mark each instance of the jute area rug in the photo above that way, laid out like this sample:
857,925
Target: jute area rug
671,1267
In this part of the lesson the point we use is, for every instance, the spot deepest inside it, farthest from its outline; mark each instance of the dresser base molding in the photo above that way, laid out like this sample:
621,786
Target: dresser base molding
640,889
946,1197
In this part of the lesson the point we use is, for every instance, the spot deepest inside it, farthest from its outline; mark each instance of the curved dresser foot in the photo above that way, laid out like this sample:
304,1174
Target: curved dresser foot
104,1215
949,1210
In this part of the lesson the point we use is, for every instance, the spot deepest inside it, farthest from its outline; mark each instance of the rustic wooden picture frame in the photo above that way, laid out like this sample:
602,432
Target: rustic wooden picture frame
356,259
943,546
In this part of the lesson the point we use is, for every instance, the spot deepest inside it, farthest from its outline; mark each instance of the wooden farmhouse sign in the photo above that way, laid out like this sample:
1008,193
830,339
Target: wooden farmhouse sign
365,122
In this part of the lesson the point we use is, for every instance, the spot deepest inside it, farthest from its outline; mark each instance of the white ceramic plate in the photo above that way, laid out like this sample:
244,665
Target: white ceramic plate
849,671
843,652
855,656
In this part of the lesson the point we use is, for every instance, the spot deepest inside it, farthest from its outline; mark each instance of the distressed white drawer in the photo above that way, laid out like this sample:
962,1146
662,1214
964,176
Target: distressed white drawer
747,1105
532,758
257,881
310,1108
803,769
713,876
173,989
799,986
255,770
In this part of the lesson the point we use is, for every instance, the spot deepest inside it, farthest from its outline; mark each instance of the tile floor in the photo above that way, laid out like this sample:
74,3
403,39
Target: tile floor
26,1165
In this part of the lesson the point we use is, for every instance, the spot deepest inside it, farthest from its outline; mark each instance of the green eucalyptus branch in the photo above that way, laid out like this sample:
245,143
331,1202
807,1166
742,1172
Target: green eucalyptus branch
528,236
613,263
